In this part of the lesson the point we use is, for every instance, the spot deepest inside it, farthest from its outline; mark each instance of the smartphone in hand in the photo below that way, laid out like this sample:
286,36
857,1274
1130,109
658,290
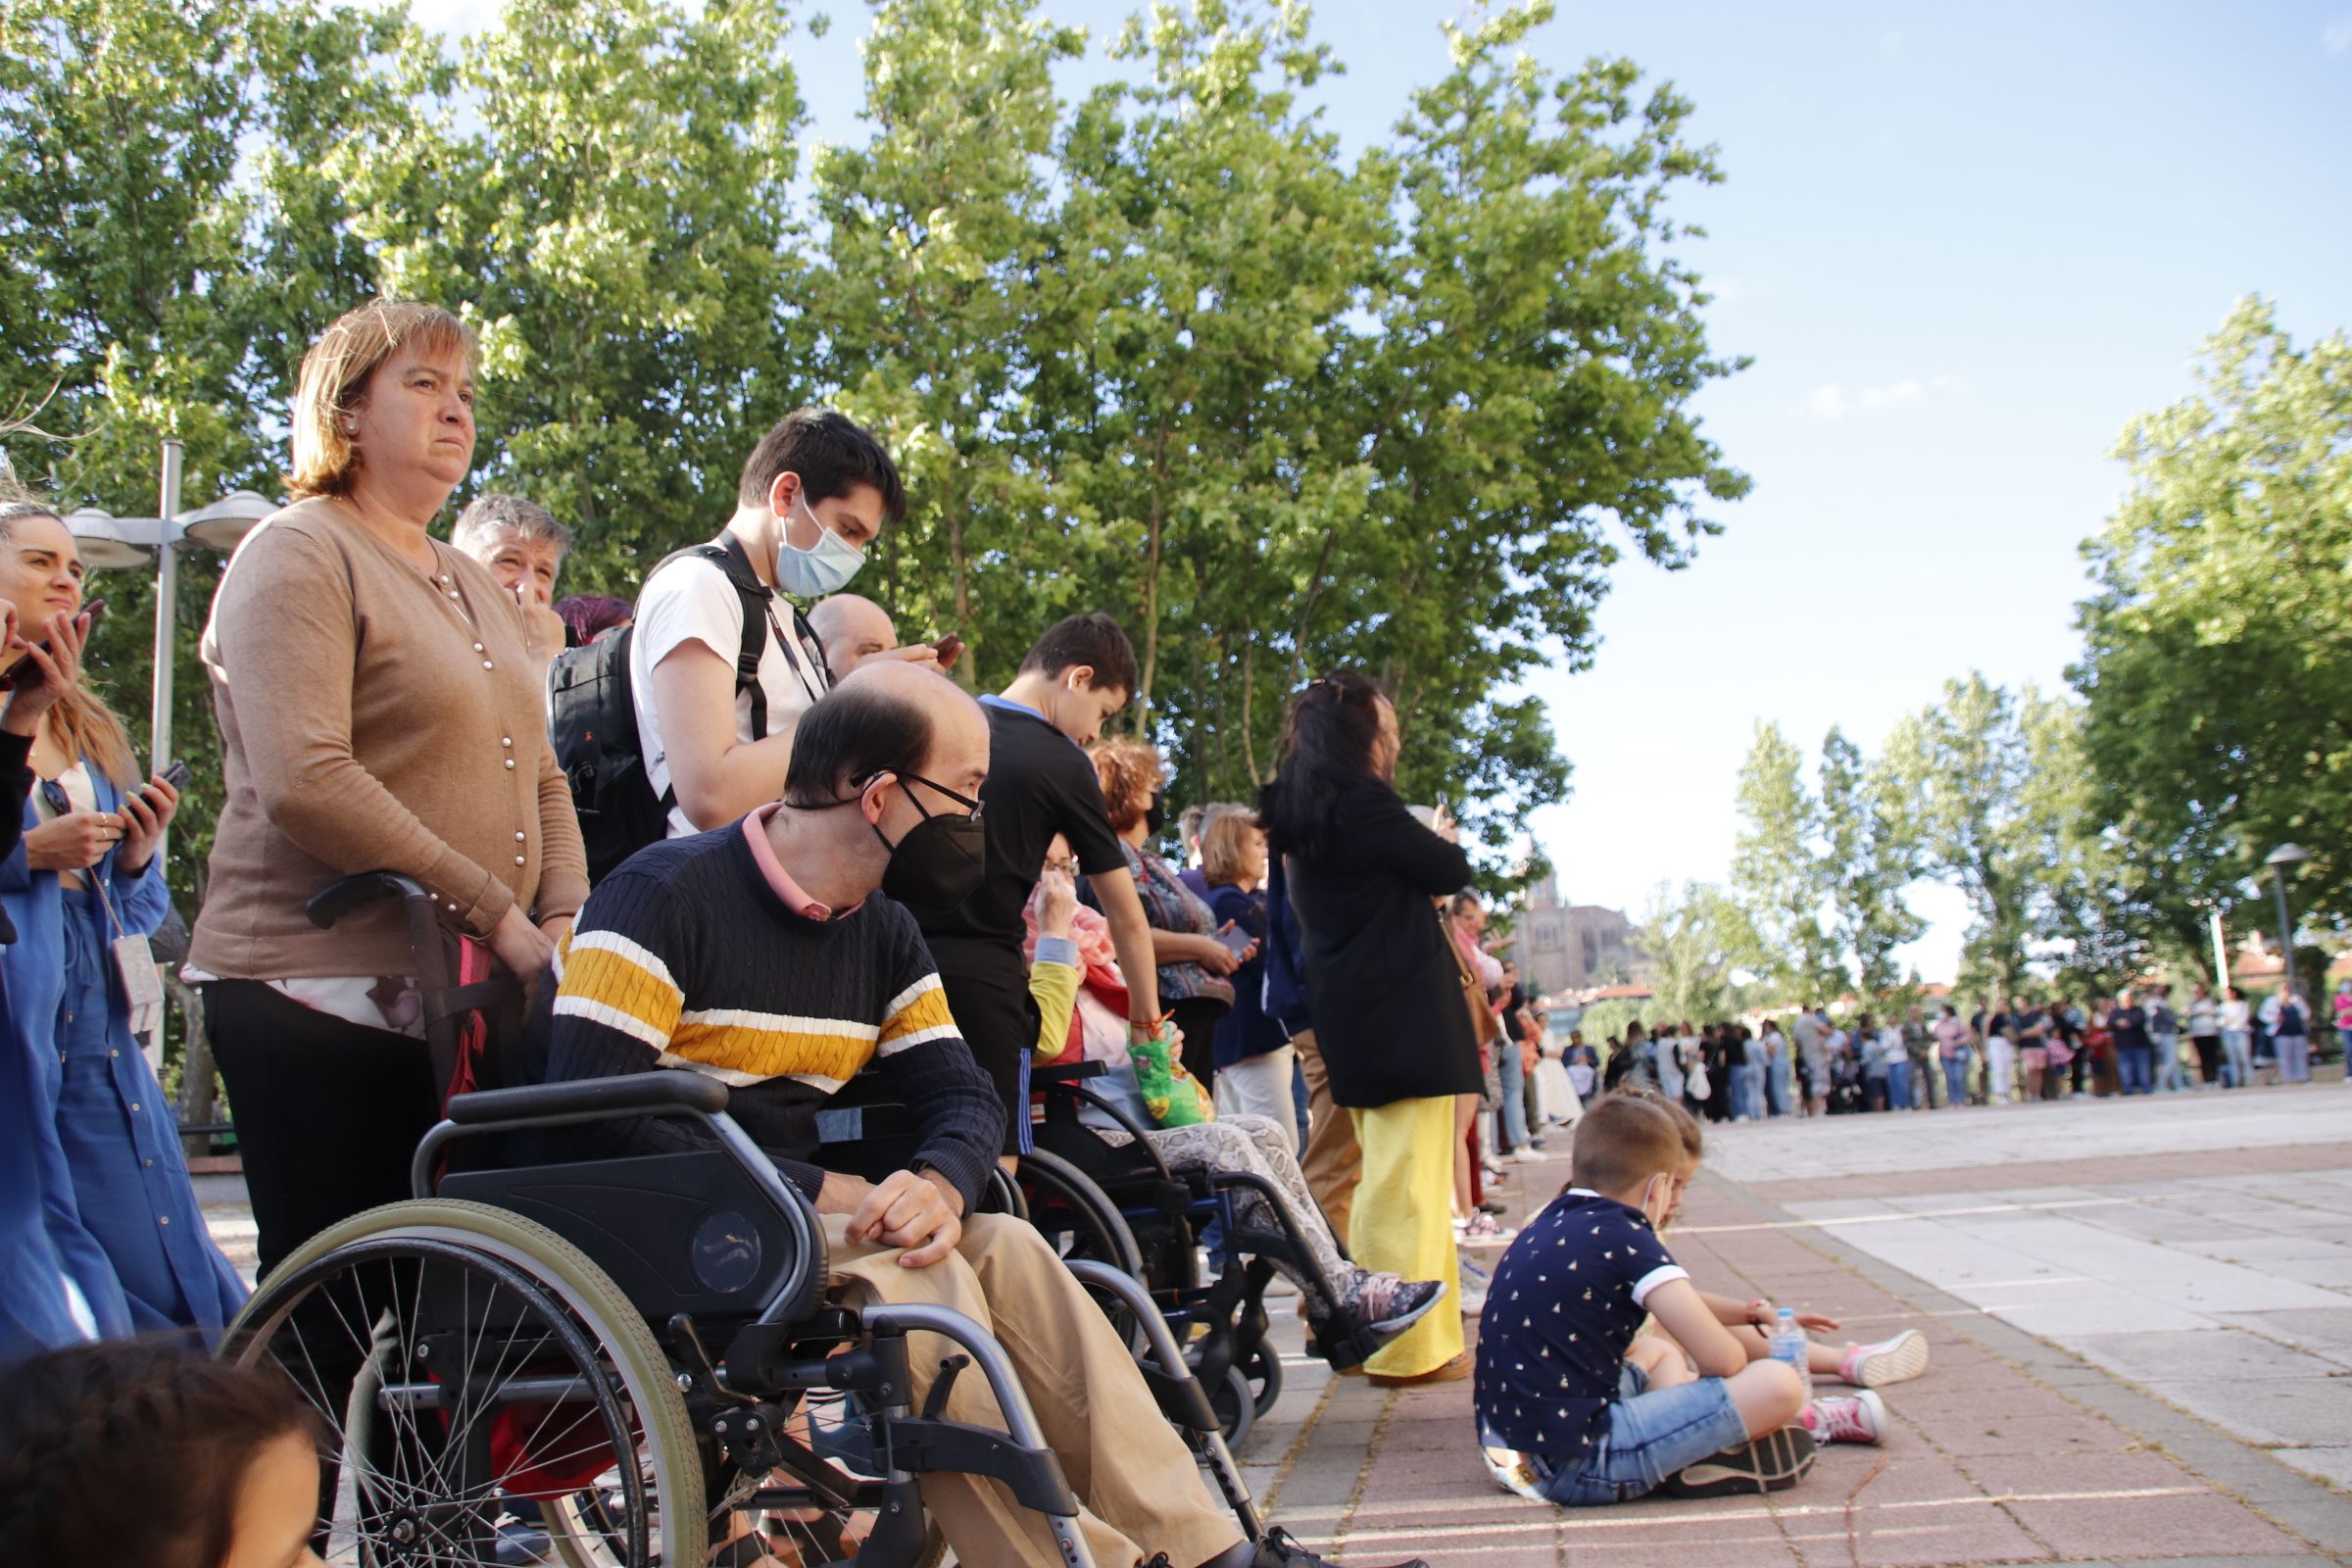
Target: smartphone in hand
177,775
24,674
948,649
1236,940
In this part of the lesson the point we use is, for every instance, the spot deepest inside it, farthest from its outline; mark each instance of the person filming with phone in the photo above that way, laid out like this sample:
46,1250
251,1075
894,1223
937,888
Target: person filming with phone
84,892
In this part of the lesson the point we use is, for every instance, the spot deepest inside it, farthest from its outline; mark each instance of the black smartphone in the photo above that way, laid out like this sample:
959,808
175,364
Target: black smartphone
25,672
948,648
177,775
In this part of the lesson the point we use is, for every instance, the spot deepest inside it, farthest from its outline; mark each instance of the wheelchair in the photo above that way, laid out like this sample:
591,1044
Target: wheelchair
638,1351
1099,1186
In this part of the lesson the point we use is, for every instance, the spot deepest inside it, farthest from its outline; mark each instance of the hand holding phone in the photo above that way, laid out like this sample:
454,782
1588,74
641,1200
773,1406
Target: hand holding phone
1237,941
948,649
177,775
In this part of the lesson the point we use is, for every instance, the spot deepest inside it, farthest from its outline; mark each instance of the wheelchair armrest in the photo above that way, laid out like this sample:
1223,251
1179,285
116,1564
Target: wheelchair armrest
1069,1072
339,898
633,1093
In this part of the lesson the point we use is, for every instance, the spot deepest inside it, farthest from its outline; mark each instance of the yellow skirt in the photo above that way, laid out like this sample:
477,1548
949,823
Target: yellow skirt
1403,1222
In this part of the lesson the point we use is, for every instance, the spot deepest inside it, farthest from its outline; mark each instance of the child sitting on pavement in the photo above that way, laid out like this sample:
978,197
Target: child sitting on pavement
1565,1400
1898,1358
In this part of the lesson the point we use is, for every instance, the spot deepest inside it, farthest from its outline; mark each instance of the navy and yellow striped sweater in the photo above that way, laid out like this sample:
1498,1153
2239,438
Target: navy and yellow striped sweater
687,958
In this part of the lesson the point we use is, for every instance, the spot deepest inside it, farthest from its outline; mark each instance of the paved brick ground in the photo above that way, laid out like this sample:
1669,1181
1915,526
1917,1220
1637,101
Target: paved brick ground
2010,1451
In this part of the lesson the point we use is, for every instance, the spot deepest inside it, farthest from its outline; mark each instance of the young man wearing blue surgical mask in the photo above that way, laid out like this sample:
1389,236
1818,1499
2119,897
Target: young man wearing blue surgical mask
716,719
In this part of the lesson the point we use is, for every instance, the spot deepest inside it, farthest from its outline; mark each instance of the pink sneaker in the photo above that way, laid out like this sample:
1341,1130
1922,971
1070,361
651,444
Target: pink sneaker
1845,1418
1894,1360
1487,1231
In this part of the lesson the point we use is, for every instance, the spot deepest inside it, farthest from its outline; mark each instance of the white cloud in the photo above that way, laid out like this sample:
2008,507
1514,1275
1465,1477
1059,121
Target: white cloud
1835,402
2336,36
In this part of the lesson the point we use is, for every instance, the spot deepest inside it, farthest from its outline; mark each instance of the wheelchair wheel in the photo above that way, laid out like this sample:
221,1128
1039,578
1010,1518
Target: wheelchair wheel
1075,1214
1236,1407
465,1359
1263,1374
1079,1221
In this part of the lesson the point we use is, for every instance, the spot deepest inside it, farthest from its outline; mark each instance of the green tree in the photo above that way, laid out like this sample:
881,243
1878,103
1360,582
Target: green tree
1524,402
937,234
1868,860
1779,874
602,189
1700,938
2216,664
1987,787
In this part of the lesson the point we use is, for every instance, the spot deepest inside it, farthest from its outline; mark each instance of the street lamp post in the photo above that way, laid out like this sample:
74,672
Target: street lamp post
2281,859
107,541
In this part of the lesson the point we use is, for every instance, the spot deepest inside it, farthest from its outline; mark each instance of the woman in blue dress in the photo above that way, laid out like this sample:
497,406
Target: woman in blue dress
118,1205
39,1310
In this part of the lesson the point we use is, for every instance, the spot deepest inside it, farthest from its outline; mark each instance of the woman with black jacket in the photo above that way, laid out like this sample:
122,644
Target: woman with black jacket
1386,992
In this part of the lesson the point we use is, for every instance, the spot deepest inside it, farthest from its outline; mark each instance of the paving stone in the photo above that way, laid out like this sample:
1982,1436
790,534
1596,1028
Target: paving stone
2291,1414
2202,1354
2332,1465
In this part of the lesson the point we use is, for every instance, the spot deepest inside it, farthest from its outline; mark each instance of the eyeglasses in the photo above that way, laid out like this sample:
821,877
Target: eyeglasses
904,776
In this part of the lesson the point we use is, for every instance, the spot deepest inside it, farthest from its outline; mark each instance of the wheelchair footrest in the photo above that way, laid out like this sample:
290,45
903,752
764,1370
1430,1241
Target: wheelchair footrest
924,1444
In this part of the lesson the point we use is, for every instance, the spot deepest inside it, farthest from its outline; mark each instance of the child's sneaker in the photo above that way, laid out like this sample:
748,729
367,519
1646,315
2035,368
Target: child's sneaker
1895,1360
1774,1462
1845,1418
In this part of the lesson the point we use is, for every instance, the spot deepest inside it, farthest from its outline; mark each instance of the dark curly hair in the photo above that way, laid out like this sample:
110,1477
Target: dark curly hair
147,1422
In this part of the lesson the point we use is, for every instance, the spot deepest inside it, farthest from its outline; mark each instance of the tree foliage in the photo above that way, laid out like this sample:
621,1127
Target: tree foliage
1163,348
2217,665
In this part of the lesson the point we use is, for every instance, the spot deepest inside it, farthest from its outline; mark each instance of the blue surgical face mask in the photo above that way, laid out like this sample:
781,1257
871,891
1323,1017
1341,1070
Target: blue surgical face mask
825,570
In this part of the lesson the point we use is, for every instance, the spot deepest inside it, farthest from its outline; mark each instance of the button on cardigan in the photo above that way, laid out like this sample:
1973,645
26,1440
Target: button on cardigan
371,723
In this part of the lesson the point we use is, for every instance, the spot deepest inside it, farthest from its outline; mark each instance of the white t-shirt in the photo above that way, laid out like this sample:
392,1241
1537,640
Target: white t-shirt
691,600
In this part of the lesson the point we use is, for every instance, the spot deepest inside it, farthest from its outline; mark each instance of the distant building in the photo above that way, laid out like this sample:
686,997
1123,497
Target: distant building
1575,946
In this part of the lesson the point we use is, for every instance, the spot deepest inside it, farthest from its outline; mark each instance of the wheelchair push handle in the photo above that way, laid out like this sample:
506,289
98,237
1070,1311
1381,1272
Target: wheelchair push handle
331,904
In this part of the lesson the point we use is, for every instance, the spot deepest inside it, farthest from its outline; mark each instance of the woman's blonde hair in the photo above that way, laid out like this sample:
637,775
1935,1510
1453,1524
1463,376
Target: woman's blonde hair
83,724
1225,843
1130,771
335,370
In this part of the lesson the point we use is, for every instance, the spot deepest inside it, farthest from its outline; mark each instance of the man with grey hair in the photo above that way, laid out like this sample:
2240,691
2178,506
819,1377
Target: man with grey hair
524,547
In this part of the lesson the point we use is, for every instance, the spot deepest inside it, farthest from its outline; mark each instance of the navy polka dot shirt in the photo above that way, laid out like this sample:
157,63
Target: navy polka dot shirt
1564,1304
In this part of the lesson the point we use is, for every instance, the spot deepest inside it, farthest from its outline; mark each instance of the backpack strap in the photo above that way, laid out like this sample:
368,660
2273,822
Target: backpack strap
758,611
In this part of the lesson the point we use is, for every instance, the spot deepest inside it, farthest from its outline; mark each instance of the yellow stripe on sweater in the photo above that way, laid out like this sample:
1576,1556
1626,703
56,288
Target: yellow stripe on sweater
767,1053
607,981
925,1012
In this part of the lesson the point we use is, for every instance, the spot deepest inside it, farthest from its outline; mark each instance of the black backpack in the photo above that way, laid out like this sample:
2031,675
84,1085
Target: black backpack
592,719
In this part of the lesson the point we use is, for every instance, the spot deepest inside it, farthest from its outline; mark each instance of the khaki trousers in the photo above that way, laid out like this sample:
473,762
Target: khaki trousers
1140,1491
1332,1163
1403,1222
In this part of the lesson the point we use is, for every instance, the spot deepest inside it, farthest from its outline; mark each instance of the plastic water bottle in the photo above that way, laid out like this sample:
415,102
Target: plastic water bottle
1788,1344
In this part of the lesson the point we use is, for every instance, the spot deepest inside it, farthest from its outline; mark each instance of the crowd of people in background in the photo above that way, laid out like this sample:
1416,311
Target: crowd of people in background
2136,1041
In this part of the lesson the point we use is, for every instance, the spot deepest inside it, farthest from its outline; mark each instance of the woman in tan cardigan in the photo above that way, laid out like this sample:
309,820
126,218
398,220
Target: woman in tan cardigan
379,713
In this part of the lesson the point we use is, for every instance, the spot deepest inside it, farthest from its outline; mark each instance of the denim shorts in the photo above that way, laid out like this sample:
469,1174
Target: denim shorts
1650,1437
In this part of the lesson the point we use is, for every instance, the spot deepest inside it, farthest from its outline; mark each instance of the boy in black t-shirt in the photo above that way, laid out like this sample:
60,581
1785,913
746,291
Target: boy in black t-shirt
1040,783
1566,1411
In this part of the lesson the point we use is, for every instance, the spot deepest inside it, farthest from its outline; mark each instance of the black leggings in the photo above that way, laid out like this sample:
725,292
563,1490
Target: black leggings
328,1112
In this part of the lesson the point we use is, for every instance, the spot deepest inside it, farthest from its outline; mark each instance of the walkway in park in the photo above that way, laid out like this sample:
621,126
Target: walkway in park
2142,1323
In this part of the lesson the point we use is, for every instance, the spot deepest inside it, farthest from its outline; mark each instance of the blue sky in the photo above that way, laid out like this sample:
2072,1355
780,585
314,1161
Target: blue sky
1963,245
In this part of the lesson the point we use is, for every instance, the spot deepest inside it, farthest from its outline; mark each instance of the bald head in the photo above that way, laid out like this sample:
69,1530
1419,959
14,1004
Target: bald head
888,718
850,628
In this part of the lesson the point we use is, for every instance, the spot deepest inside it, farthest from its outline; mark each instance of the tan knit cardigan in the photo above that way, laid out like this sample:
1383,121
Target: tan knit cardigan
374,719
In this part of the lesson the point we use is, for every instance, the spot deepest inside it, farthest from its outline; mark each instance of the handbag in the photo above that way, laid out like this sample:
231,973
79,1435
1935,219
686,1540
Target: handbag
1695,1085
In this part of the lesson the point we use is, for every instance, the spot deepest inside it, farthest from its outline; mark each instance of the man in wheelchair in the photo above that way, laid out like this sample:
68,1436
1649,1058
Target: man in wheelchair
774,955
